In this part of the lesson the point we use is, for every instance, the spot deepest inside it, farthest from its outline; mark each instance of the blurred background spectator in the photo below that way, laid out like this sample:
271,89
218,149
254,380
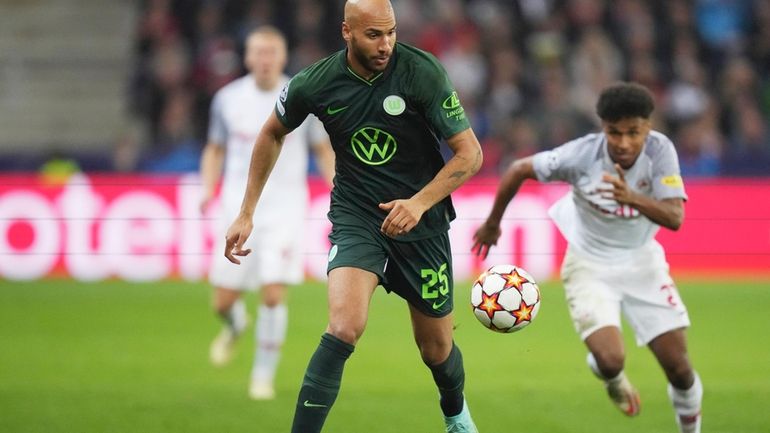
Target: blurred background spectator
528,72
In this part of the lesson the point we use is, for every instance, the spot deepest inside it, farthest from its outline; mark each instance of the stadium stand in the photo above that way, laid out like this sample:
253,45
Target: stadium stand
527,72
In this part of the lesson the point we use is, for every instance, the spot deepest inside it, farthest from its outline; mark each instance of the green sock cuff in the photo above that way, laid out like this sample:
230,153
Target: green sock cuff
336,345
453,361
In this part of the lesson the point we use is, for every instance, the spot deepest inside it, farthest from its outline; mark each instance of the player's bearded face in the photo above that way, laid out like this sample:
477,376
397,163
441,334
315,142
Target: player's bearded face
625,139
373,47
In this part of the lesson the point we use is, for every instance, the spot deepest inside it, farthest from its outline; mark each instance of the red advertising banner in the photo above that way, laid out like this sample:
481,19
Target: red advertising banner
145,228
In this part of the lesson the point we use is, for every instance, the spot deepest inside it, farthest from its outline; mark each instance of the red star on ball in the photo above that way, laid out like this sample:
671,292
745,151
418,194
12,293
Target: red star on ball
489,304
524,313
514,279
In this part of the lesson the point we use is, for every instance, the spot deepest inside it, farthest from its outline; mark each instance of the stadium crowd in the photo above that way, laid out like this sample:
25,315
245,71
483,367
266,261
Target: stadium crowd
528,71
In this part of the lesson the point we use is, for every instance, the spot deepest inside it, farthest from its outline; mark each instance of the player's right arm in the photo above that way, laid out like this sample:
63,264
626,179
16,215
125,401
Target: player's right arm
489,232
266,150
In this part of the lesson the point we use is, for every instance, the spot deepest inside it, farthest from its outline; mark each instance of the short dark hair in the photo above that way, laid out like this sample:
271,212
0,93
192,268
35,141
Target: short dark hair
624,100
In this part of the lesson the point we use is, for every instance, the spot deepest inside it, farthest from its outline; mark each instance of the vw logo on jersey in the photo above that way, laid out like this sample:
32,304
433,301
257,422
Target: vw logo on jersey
373,146
394,105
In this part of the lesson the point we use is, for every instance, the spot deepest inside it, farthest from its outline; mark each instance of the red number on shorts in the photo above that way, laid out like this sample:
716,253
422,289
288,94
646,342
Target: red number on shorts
670,289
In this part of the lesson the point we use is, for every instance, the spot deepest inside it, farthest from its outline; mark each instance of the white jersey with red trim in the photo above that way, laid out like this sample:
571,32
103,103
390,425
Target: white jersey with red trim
601,227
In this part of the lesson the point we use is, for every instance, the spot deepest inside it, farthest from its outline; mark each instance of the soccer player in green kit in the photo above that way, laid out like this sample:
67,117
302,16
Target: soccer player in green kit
385,107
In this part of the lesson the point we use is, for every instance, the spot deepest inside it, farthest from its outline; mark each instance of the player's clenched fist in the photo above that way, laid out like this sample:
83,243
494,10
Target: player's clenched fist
237,234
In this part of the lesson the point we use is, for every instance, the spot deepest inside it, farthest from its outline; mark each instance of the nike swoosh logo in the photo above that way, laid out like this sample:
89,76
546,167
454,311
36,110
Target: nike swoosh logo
332,111
437,306
307,403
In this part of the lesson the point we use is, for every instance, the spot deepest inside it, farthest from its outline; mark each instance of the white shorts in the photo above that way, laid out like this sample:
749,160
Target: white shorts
277,253
641,288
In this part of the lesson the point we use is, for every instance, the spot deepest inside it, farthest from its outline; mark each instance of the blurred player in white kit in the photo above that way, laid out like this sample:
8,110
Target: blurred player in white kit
625,184
238,111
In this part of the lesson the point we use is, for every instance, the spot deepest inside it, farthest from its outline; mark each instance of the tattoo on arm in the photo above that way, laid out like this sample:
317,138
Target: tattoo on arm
461,174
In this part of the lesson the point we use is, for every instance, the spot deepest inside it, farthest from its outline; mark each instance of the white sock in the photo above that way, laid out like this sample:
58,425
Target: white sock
270,334
235,318
687,405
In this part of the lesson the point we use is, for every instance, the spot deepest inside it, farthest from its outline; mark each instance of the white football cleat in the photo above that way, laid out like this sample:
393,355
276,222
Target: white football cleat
620,390
624,395
222,348
259,390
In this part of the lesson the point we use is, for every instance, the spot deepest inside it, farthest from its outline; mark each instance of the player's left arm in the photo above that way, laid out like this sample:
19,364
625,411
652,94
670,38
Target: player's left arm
667,212
404,215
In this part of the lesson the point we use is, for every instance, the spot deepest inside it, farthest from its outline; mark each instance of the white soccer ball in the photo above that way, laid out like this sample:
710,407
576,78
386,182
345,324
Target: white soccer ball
505,298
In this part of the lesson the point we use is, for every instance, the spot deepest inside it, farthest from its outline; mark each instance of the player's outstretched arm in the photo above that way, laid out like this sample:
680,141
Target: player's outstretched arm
403,215
668,213
263,157
489,232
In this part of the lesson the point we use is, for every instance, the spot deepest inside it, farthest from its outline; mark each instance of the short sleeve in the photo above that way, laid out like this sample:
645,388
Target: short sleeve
291,106
666,178
558,164
217,126
439,99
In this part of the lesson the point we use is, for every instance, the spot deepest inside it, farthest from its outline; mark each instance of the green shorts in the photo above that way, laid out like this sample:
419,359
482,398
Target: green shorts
419,271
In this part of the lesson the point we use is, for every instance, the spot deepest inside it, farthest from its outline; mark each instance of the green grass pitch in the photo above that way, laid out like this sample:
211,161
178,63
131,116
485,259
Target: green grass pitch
120,357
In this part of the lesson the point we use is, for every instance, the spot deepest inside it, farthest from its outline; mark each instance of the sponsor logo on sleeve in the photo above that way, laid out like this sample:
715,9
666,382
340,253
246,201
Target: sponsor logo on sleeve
553,161
673,181
453,108
280,104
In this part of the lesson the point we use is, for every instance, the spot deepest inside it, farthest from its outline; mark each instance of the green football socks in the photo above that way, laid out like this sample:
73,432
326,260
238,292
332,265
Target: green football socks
321,384
450,379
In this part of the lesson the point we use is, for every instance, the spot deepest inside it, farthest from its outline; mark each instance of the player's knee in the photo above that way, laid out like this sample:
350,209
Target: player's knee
345,332
434,351
222,308
610,363
273,294
680,375
272,300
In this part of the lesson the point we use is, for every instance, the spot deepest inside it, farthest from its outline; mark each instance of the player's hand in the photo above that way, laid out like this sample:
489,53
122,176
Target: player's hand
237,234
486,236
620,191
403,216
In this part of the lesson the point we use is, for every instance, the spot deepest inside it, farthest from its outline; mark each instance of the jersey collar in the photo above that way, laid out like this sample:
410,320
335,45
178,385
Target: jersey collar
375,80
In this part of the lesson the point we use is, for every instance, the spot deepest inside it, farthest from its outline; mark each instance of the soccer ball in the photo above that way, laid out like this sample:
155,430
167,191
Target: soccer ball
505,298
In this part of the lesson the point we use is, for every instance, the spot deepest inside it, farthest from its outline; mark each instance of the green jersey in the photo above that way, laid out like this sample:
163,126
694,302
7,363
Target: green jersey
385,131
